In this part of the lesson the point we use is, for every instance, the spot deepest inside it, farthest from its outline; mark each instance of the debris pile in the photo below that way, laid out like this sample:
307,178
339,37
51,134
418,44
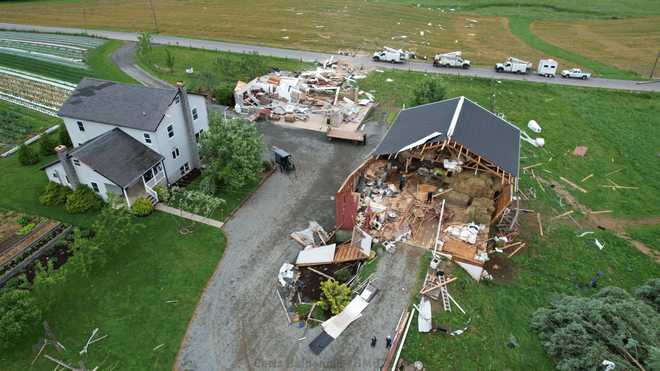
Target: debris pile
320,99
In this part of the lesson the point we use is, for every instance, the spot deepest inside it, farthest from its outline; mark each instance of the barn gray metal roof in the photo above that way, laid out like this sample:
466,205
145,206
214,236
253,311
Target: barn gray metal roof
108,102
117,156
476,128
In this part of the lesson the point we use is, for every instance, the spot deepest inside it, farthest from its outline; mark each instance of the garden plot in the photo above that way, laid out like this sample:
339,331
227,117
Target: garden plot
60,49
33,91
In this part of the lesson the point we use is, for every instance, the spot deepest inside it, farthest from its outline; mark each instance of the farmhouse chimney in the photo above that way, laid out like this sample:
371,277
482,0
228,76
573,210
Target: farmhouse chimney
190,129
69,170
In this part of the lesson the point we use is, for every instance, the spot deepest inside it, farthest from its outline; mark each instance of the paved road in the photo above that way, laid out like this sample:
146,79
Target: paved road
239,323
124,58
357,61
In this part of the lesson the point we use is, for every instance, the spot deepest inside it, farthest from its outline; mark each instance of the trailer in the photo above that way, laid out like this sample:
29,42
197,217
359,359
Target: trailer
453,59
514,65
547,67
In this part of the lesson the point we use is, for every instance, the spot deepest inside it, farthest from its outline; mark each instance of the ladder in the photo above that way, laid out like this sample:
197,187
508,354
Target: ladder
444,294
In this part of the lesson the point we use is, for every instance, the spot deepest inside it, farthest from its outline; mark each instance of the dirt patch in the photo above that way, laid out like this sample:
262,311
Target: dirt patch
310,282
500,267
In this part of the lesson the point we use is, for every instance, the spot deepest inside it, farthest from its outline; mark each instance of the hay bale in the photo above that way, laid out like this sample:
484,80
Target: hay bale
457,198
480,185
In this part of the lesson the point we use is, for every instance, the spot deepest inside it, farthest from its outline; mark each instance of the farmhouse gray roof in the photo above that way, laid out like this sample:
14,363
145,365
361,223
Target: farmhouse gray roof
117,156
467,123
108,102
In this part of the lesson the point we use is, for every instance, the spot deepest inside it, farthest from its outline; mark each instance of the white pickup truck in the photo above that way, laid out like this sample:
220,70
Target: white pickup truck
575,73
454,59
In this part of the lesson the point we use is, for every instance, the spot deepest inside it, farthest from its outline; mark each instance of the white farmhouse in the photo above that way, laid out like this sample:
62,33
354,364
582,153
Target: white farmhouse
128,139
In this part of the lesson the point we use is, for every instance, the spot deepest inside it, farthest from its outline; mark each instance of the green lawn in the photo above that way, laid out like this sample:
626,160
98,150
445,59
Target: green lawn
127,298
18,124
520,27
100,61
222,66
648,234
552,266
617,127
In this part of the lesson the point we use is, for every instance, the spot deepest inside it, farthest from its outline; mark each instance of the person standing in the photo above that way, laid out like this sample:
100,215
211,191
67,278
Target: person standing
388,342
373,341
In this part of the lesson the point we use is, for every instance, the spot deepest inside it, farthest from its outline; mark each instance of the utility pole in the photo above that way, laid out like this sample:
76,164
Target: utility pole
153,14
654,66
84,19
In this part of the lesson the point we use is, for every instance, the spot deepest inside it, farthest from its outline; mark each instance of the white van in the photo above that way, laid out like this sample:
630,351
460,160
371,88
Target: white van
547,67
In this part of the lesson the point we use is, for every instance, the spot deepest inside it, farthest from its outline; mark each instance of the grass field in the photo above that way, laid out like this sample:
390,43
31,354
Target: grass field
223,66
18,124
335,24
628,44
617,128
648,234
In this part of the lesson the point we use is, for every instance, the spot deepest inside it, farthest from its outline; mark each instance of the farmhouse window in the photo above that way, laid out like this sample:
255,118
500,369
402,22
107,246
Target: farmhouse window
147,138
170,131
186,167
181,169
81,127
194,113
76,162
95,187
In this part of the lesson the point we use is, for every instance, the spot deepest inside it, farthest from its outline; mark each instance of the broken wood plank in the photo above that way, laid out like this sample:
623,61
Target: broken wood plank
538,219
424,291
514,252
286,312
562,215
531,166
60,363
600,212
573,185
321,273
586,177
613,172
511,245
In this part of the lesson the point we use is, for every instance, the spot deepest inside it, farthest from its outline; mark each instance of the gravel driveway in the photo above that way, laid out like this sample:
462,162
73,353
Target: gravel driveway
240,323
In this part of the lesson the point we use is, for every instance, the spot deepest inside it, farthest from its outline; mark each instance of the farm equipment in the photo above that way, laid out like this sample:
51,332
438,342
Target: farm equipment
547,67
392,55
454,59
514,65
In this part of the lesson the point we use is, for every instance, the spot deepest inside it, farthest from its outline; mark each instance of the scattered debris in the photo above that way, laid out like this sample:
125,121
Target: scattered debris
534,126
580,151
573,185
599,244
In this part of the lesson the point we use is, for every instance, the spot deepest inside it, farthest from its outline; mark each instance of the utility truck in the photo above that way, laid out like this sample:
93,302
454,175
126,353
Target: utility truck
454,59
547,67
392,55
514,65
575,73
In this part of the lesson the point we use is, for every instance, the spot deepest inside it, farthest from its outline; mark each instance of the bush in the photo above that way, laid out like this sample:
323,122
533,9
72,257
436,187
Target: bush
27,155
142,207
18,313
268,165
54,194
81,200
650,293
336,296
47,145
23,220
224,94
163,193
26,229
428,91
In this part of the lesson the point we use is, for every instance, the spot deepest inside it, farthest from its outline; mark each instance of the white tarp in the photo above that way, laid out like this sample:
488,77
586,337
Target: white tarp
474,271
337,324
424,323
285,274
317,255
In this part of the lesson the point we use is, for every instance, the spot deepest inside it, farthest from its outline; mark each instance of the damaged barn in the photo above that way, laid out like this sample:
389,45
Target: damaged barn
453,150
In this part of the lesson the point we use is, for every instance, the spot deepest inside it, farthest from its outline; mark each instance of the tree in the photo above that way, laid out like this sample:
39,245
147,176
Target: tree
63,136
336,296
579,333
47,145
429,90
27,155
199,202
18,313
232,151
144,43
650,293
169,59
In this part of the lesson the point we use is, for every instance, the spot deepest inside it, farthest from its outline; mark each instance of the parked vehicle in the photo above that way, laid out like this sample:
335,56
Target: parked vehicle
454,59
575,73
547,67
284,160
392,55
514,65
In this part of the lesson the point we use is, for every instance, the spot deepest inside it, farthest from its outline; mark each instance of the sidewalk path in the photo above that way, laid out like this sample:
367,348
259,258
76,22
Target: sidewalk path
190,216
